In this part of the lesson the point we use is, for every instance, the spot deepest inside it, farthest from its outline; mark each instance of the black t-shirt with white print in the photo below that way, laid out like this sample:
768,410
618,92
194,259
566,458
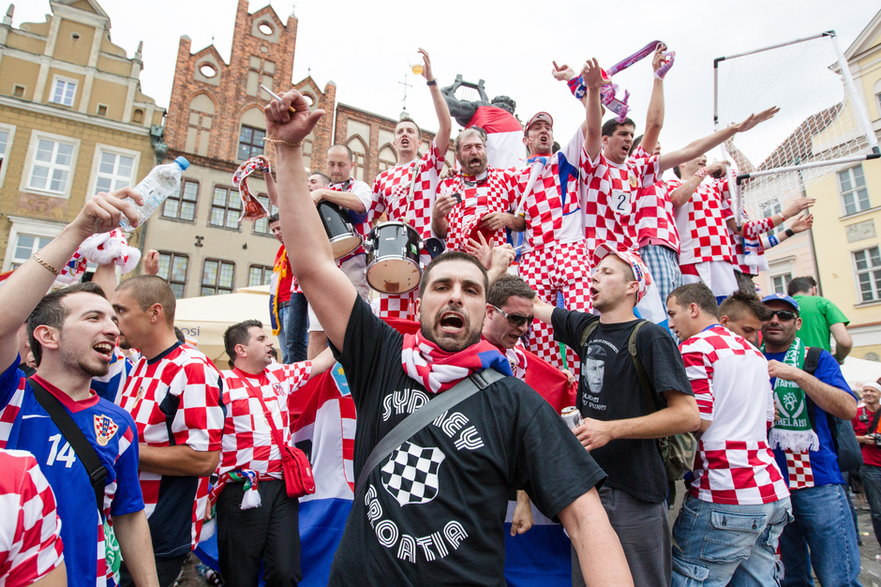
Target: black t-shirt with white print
609,389
433,513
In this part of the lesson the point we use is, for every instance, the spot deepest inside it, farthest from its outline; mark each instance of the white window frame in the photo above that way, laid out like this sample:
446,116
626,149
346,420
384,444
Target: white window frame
784,274
100,149
29,164
871,271
5,155
29,226
56,79
854,189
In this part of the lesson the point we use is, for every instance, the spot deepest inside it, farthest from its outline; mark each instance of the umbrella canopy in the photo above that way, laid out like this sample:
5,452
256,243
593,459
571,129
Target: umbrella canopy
204,319
859,371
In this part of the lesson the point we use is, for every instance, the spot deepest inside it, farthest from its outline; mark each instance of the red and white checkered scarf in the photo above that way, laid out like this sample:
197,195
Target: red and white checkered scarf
439,370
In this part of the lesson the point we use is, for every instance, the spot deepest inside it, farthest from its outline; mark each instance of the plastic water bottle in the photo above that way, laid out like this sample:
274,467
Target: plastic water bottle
163,181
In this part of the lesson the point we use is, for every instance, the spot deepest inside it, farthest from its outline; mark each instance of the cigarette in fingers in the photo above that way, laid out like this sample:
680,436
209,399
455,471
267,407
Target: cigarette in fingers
292,110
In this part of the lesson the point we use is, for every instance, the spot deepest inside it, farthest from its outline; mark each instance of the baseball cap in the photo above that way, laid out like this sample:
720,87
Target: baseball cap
782,298
640,271
540,116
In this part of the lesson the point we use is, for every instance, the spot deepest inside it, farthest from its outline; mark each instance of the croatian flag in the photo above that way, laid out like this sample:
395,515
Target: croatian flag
504,136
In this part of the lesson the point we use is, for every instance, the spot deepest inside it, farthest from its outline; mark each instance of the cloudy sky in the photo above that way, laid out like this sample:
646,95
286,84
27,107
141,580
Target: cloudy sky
364,47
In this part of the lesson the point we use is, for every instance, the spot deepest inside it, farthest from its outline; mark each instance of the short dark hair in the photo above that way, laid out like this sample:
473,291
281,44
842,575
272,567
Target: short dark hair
507,286
179,334
611,125
452,256
238,334
348,149
324,178
739,302
411,121
151,289
800,284
636,142
51,311
696,293
272,218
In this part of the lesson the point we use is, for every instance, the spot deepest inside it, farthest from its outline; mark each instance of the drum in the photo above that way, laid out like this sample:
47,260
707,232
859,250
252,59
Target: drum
393,258
340,232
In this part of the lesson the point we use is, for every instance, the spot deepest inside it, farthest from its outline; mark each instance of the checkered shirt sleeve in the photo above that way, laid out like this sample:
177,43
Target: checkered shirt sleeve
30,535
392,187
733,464
248,442
707,225
498,194
610,195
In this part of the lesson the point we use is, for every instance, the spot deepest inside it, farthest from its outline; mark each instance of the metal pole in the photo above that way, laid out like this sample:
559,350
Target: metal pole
776,170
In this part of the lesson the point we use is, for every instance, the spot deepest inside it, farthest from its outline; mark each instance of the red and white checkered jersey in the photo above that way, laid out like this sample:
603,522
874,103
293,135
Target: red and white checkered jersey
550,201
365,196
610,191
751,230
655,219
701,221
496,192
391,191
30,533
729,378
248,442
184,383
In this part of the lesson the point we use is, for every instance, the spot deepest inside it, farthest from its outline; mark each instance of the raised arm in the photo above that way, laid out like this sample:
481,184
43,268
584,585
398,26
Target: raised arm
654,118
593,78
702,145
444,124
27,285
330,292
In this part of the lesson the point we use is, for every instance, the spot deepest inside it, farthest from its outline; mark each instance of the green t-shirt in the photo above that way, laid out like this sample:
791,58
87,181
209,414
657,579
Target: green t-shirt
817,316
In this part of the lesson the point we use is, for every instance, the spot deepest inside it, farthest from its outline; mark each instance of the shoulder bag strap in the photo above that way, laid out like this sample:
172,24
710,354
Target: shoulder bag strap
421,417
77,440
258,395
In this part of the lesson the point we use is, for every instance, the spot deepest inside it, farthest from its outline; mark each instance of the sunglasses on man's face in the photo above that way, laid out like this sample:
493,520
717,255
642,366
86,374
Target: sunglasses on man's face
515,320
783,315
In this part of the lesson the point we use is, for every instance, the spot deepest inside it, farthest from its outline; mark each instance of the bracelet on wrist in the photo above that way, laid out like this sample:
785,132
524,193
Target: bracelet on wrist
789,232
431,82
45,264
291,144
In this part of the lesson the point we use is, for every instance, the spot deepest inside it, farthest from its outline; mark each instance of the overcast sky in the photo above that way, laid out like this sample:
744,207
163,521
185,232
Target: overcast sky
364,47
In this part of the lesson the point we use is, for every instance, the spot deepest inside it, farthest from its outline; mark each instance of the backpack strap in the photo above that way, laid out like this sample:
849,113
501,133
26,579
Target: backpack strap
587,332
648,390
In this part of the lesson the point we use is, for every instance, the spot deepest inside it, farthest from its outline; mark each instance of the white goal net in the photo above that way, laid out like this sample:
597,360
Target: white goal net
821,127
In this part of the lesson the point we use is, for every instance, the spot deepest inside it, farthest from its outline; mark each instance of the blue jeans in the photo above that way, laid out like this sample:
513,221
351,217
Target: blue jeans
294,322
722,544
871,476
822,535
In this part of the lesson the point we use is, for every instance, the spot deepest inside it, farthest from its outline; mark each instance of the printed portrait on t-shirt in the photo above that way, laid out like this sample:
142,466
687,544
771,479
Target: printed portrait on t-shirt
594,367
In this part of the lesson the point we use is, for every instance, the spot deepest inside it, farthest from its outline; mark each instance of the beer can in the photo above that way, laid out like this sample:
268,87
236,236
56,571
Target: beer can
571,416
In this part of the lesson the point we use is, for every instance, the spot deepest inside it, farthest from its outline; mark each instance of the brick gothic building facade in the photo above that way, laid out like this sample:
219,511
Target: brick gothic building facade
214,120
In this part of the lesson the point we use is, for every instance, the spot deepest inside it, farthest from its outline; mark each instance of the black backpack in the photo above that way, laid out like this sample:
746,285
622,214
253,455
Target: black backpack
677,451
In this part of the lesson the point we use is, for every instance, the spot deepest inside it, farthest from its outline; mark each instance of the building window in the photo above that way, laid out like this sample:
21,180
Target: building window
101,110
868,266
854,195
173,268
25,246
359,155
51,164
6,134
18,90
63,91
250,142
114,170
779,282
217,277
262,226
387,159
183,206
260,71
259,275
307,153
771,208
226,208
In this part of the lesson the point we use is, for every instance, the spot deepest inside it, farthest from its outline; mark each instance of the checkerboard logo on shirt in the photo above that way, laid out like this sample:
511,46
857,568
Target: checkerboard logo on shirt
105,429
411,474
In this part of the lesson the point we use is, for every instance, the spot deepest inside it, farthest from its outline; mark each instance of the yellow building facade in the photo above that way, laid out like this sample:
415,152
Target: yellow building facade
73,122
847,218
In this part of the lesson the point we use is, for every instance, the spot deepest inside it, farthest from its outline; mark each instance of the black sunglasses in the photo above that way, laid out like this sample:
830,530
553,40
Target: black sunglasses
515,319
785,315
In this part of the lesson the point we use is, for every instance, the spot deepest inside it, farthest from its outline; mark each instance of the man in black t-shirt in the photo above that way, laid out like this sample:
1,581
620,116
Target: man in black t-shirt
433,512
619,427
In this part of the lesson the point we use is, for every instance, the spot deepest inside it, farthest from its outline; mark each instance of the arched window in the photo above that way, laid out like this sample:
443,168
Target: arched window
359,151
201,117
387,158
